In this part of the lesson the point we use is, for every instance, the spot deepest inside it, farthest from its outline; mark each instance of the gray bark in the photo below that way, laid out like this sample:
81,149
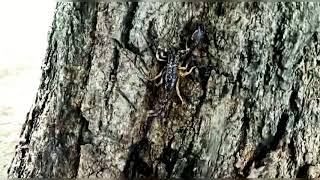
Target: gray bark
252,109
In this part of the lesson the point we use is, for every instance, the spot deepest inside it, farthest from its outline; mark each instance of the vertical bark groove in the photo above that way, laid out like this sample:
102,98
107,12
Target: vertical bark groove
252,102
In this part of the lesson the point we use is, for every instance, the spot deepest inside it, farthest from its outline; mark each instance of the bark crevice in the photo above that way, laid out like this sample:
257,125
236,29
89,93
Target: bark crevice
252,101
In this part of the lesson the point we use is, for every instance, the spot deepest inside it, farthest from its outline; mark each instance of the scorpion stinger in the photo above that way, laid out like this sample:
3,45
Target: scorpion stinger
199,35
199,41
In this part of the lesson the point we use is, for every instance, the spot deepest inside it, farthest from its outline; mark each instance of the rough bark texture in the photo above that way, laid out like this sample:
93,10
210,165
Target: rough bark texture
252,110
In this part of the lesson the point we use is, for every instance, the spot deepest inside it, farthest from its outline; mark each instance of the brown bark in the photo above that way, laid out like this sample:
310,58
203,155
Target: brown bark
252,109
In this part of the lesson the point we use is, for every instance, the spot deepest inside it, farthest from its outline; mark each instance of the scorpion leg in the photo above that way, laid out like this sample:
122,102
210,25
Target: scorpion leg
187,63
185,67
157,76
160,59
161,81
186,51
189,72
178,92
182,68
152,113
187,46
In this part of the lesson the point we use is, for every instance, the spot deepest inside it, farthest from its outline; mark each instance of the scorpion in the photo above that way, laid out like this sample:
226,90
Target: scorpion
174,70
171,73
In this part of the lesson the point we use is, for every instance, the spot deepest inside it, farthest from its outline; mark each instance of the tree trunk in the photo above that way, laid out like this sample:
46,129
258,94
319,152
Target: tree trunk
252,104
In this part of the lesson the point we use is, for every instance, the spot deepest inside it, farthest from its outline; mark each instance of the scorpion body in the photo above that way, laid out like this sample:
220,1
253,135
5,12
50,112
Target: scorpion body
170,81
173,70
171,75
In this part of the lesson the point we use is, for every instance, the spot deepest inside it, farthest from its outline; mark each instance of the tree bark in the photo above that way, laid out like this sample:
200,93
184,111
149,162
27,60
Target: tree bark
252,106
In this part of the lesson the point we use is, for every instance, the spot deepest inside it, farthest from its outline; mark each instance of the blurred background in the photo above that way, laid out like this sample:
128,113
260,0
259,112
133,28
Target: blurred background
23,43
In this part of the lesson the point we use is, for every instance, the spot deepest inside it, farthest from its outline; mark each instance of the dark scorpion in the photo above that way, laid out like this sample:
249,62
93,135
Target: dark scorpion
170,75
173,71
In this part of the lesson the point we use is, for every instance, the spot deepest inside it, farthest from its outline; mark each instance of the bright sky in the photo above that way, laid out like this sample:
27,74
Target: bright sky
23,32
23,43
24,26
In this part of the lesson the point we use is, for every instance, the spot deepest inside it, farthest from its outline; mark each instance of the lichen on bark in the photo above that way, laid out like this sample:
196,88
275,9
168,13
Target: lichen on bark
252,107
